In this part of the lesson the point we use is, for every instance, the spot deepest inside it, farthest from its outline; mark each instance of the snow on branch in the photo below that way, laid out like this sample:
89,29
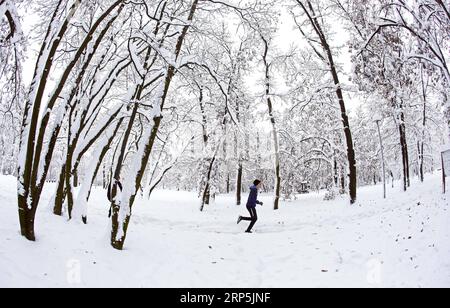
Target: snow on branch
8,10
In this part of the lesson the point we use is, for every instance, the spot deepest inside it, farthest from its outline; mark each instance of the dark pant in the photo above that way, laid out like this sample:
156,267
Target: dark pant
253,218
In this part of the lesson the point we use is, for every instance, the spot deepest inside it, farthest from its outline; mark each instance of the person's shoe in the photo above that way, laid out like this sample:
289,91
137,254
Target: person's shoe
239,220
248,232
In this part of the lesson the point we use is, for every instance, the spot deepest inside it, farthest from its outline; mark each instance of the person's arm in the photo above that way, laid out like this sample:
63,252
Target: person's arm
256,197
258,202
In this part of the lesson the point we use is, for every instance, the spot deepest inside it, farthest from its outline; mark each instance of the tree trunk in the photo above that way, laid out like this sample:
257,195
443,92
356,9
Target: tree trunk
26,219
60,192
33,166
343,184
336,173
119,228
351,156
421,145
75,178
68,190
405,155
239,184
68,169
276,205
206,198
348,137
29,125
85,193
421,161
444,175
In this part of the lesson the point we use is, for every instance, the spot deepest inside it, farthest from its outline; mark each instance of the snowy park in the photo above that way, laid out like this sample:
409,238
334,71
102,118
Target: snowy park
399,242
252,144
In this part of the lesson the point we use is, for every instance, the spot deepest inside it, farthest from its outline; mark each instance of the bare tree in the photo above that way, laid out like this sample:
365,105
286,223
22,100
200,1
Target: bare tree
34,158
318,39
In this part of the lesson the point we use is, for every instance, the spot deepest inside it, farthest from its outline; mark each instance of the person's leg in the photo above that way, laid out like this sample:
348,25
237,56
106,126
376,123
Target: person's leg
248,218
241,218
254,219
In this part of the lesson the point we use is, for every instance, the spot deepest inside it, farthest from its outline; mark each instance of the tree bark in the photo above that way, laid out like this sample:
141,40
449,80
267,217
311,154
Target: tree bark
60,192
404,150
206,198
239,184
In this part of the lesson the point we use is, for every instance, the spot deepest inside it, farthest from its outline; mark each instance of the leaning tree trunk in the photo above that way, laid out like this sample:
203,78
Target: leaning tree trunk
206,196
120,222
348,134
26,197
86,187
329,60
122,212
34,158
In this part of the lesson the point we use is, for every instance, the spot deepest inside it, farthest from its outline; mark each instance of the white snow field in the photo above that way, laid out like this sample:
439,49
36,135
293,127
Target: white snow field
401,242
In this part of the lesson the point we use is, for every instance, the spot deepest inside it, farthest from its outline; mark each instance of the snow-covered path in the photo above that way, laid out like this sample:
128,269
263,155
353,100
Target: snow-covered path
401,242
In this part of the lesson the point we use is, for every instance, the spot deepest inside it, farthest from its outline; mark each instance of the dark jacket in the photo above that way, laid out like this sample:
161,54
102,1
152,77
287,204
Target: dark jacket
253,198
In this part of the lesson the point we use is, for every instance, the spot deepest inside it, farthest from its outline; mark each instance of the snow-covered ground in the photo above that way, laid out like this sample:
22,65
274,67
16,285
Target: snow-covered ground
401,242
